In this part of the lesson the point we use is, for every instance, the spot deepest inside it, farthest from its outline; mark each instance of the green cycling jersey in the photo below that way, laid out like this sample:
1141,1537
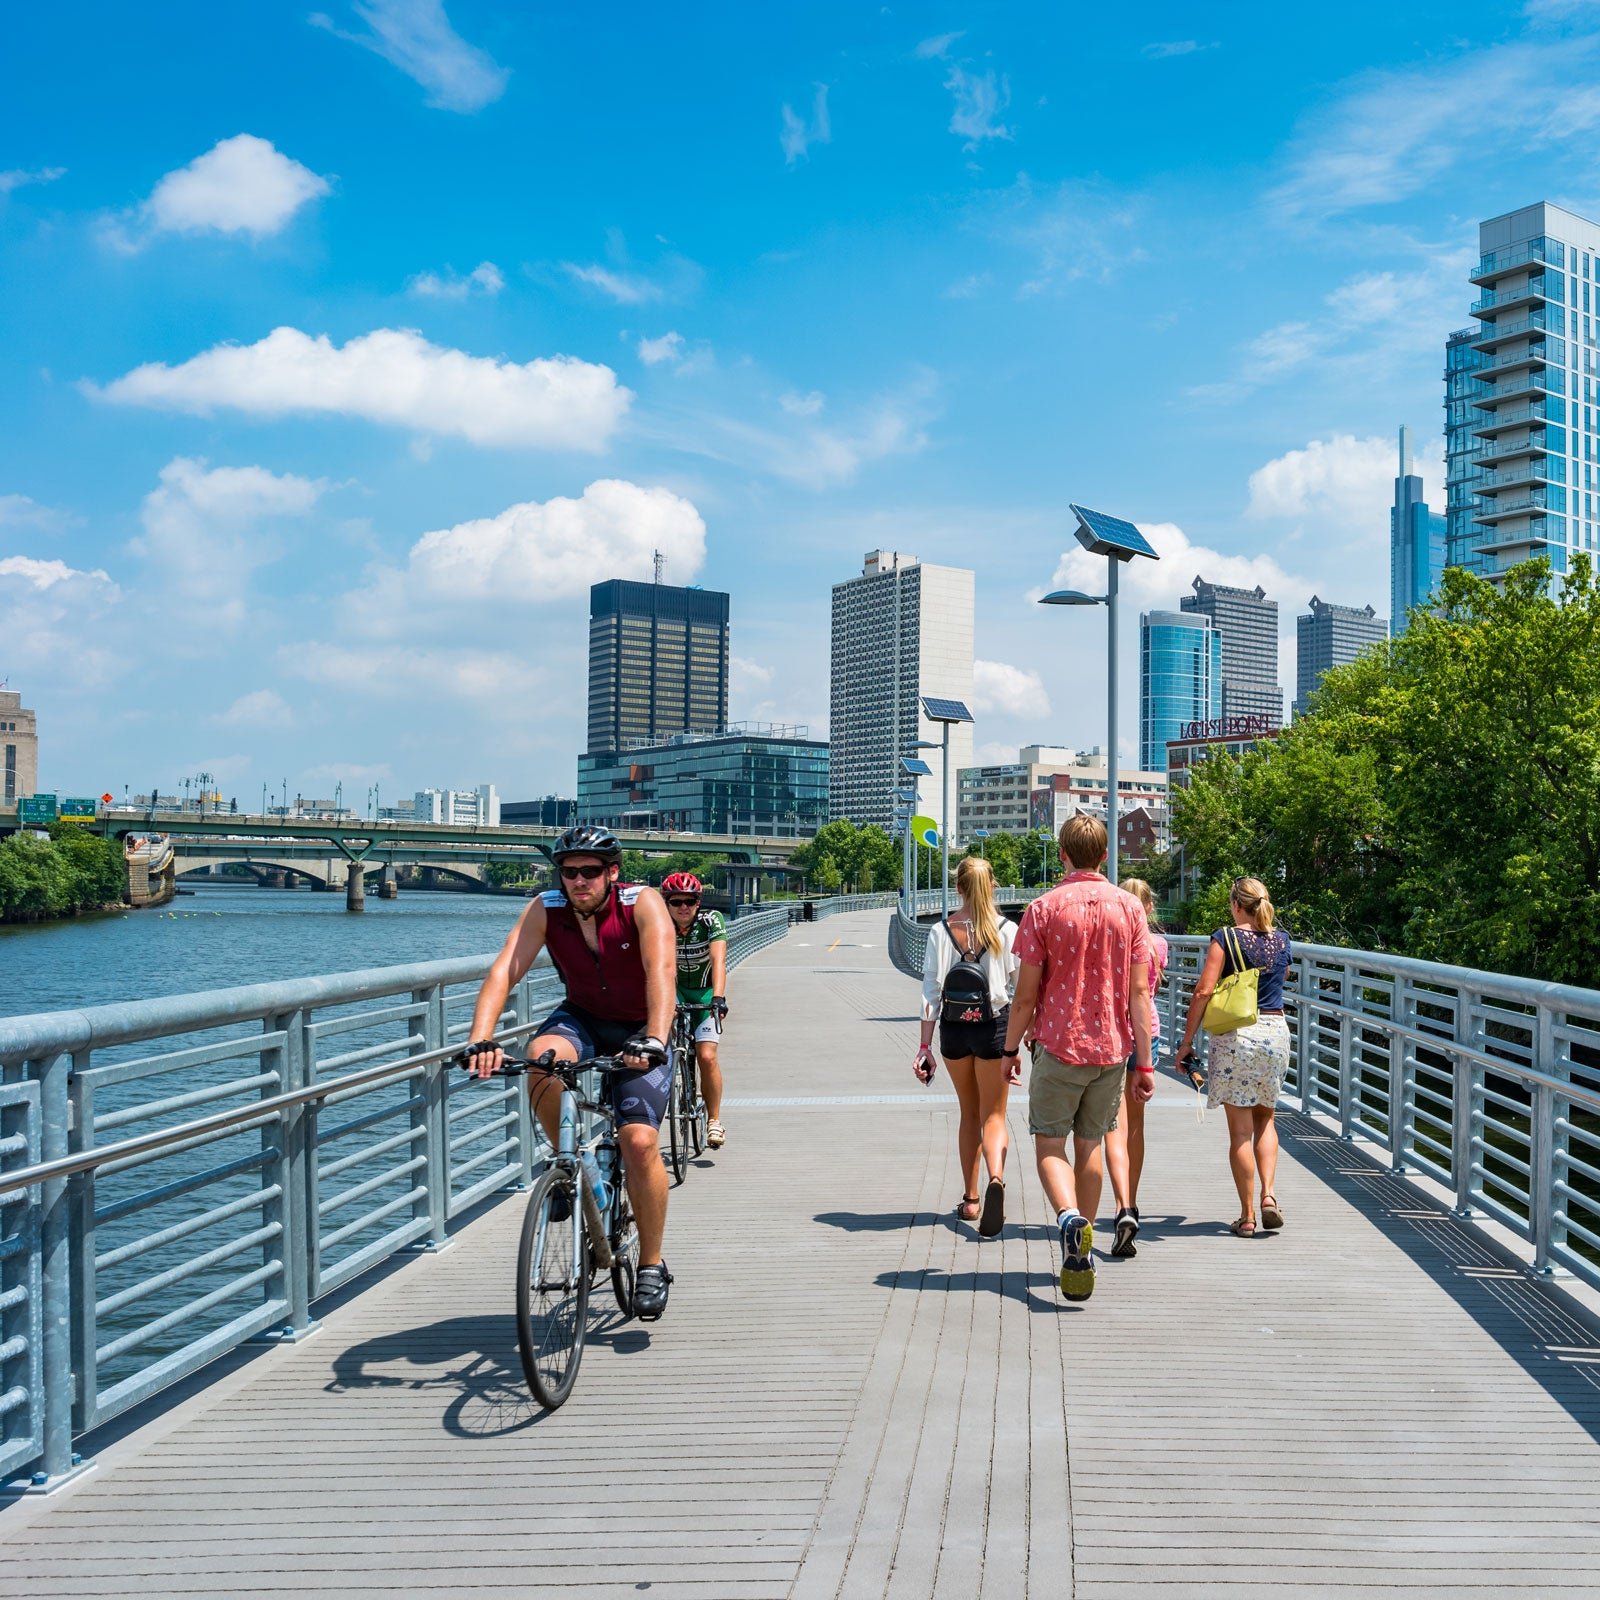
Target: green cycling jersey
694,957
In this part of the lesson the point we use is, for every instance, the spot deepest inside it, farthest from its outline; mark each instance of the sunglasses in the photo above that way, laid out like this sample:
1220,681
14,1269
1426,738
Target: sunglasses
683,899
588,874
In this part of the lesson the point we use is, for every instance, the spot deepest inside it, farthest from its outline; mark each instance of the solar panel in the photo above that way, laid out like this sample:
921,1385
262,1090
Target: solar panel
917,769
945,710
1101,535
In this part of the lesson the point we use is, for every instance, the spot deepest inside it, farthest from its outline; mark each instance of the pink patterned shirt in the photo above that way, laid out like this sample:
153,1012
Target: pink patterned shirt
1086,934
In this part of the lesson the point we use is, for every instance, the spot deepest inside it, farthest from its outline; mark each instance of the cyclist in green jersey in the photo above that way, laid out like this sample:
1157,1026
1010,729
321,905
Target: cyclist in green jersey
702,985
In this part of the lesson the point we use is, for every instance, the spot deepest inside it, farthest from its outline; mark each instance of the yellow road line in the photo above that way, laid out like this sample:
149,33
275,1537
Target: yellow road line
835,944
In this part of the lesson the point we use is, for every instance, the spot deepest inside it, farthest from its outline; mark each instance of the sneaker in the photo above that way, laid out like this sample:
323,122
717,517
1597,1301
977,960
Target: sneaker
715,1134
1077,1258
1127,1232
650,1291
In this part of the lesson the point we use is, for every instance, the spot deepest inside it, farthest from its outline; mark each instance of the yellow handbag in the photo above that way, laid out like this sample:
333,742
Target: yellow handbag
1233,1002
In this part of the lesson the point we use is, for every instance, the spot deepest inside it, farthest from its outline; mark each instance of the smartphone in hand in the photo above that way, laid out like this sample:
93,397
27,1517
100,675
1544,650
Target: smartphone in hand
923,1066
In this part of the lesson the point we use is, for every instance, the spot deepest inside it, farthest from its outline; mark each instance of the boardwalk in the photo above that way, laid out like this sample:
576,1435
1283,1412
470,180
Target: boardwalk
851,1396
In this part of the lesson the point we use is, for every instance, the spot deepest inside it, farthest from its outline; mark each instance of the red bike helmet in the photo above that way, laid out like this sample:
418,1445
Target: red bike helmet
682,883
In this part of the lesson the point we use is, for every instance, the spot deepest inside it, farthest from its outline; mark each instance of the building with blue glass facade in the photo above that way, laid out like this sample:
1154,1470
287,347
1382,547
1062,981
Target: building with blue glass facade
1527,438
754,779
1417,539
1180,679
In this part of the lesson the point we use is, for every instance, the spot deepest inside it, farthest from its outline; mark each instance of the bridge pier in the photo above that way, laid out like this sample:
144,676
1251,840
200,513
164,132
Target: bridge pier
355,888
388,885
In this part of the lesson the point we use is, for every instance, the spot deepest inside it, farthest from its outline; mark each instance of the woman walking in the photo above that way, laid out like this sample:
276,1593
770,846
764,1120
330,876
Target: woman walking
1247,1066
967,979
1125,1142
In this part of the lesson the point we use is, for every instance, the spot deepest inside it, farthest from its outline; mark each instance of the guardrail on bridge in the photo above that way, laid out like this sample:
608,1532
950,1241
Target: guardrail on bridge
178,1176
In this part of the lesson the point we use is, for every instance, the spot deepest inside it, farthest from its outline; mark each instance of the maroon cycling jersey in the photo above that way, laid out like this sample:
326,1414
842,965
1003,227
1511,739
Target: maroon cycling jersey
610,983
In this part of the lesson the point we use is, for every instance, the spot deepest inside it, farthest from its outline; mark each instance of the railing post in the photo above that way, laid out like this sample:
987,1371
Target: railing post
522,1002
1347,1052
1310,998
428,1113
55,1247
296,1131
1400,1098
1464,1080
1541,1145
81,1191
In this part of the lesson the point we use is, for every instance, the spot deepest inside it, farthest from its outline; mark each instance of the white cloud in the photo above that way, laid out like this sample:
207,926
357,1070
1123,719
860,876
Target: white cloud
242,185
667,348
485,278
802,405
261,708
416,37
542,551
799,133
391,376
1392,134
18,177
42,575
19,511
936,48
969,287
626,288
1343,485
746,675
980,98
348,773
52,622
202,527
393,672
1011,691
1065,233
1174,47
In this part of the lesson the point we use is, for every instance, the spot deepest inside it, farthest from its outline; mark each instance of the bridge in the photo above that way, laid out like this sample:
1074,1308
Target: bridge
850,1394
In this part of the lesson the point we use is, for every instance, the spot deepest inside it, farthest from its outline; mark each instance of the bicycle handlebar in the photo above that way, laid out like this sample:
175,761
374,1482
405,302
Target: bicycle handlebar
567,1071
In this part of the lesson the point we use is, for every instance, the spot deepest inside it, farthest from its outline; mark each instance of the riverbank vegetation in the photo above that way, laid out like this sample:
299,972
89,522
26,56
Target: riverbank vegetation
63,876
1441,799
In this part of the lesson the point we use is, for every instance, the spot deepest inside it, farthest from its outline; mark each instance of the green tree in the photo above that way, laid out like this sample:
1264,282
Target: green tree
95,872
35,879
862,857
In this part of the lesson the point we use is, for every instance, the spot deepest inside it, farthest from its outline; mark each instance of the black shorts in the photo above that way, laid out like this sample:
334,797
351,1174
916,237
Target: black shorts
636,1096
985,1040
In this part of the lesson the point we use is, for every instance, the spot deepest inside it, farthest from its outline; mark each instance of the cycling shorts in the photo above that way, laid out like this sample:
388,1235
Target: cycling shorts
707,1028
637,1097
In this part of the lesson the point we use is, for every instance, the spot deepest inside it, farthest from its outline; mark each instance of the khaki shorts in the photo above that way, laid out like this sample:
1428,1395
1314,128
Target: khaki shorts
1065,1101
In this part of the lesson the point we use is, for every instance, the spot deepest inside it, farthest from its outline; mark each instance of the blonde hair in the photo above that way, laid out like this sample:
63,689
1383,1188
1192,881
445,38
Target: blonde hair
975,885
1083,841
1251,897
1144,894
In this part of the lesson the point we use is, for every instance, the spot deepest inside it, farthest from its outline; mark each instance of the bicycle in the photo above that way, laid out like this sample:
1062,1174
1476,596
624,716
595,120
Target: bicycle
557,1256
687,1119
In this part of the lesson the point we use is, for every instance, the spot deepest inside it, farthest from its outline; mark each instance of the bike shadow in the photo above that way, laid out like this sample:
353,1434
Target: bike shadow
471,1362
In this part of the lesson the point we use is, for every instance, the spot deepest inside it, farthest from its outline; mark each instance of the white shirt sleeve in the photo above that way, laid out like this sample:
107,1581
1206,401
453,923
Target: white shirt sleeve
1003,970
936,965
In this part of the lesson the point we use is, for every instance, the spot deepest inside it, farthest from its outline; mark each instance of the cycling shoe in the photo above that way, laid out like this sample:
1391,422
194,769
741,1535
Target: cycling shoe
650,1291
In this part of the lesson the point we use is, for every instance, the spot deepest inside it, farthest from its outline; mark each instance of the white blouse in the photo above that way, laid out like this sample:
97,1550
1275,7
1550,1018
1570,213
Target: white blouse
1001,970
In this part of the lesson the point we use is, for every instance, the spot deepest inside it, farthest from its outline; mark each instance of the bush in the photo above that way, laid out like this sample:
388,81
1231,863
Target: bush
55,877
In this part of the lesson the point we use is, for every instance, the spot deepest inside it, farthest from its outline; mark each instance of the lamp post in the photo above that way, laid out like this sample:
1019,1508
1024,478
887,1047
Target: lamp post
1117,541
911,767
946,713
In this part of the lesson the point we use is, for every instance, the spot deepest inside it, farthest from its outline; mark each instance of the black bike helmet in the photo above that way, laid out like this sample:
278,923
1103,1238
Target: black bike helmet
587,840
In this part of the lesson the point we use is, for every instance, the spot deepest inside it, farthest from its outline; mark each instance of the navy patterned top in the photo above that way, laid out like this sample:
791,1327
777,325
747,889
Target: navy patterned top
1267,952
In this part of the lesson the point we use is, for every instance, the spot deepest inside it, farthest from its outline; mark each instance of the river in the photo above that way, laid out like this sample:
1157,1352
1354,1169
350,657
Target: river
225,934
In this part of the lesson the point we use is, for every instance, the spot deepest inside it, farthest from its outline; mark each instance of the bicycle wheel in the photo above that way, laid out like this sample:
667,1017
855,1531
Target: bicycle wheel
699,1123
552,1289
677,1151
624,1253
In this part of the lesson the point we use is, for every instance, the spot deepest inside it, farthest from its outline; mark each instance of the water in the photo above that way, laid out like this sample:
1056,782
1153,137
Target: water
224,935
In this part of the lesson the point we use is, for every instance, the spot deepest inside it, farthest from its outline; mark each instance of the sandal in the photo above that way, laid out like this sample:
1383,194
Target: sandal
1271,1213
968,1209
994,1209
1242,1228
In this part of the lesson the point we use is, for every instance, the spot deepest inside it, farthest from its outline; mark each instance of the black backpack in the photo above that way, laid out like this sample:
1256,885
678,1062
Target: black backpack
965,996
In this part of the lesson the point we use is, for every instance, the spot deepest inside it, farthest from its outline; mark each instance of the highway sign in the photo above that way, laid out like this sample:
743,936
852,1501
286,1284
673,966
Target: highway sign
76,808
37,808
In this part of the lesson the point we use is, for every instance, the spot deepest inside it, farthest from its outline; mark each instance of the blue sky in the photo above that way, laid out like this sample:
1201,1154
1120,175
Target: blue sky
344,348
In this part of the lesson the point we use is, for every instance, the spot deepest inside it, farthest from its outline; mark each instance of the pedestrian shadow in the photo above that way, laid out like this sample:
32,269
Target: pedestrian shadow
1553,1341
1017,1284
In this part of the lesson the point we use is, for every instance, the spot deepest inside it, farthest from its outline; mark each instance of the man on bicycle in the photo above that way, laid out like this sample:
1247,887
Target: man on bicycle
613,946
702,985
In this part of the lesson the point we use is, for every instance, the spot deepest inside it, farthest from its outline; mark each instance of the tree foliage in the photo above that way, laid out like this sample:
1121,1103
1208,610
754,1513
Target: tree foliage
842,856
1442,798
55,877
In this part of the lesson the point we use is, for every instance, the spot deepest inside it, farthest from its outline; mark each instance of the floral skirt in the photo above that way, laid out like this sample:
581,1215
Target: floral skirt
1247,1067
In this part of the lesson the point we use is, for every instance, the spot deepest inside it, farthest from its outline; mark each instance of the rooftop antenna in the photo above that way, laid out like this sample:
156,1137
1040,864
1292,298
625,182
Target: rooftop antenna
661,565
1405,452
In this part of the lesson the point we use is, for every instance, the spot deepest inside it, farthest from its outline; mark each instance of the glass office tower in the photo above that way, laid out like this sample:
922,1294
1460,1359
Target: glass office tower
1330,636
1247,623
1416,534
1530,428
1180,680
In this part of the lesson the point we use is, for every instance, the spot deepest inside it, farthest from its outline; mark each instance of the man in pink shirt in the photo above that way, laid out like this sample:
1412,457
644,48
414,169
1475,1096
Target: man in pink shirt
1083,997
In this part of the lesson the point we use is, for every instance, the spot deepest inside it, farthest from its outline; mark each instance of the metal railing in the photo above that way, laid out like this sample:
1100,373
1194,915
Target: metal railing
179,1176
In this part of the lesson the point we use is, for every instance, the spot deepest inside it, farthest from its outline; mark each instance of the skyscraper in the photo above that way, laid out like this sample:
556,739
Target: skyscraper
901,630
1248,624
1330,636
1416,534
1180,679
658,663
1529,429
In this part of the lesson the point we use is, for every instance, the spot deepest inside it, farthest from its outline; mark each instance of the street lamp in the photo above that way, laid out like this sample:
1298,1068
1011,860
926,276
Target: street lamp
911,767
1117,541
946,713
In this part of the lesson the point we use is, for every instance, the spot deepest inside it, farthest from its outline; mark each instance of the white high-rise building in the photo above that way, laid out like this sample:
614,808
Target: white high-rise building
461,808
902,630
